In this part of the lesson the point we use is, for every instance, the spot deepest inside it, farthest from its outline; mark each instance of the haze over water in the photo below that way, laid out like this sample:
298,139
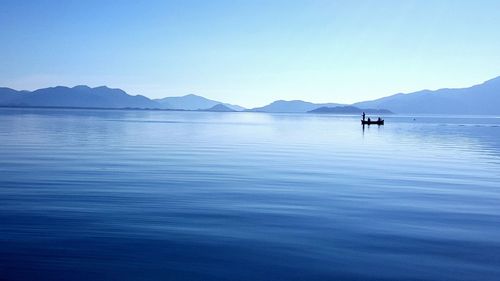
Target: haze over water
150,195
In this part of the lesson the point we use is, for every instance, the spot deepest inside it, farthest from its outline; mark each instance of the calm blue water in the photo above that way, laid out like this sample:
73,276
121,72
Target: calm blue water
142,195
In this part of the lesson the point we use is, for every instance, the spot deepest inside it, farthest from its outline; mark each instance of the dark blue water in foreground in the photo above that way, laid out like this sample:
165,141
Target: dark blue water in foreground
141,195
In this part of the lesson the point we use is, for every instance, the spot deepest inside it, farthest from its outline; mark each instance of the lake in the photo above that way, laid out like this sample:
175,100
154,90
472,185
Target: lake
158,195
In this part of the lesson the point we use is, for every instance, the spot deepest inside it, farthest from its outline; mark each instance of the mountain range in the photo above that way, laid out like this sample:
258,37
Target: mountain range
294,106
79,96
220,108
193,102
479,99
104,97
349,110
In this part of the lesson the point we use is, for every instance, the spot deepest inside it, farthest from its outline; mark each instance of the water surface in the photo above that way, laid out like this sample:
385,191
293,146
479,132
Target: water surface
145,195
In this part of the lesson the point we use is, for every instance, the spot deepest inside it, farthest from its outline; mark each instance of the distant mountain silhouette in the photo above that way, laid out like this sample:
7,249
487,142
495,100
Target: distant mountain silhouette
193,102
103,97
479,99
348,110
294,106
8,95
220,108
79,96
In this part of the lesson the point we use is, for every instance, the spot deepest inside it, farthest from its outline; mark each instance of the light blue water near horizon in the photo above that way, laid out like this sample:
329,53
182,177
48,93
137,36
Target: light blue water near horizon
148,195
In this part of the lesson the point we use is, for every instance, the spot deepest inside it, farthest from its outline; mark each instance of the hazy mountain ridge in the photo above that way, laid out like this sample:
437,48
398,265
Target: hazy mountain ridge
479,99
7,95
78,96
193,102
220,108
349,110
293,106
103,97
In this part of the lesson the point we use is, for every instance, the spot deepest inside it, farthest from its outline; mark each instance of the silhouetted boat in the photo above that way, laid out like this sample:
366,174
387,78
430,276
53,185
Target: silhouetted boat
372,122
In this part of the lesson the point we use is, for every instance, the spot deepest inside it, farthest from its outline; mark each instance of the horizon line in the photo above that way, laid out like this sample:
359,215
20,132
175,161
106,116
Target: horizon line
198,95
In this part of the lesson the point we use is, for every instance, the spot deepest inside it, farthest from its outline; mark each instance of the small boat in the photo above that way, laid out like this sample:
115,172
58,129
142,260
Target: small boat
372,122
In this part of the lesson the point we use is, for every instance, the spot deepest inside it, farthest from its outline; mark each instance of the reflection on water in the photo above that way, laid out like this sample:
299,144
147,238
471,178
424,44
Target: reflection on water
144,195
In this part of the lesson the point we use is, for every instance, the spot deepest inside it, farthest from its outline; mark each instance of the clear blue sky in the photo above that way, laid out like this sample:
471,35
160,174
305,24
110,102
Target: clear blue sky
251,52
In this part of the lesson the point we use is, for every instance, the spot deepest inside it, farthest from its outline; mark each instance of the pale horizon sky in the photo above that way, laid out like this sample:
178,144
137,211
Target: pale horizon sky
251,52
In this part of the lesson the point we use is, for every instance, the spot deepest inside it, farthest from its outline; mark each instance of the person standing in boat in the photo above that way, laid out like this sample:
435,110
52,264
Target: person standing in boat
363,116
